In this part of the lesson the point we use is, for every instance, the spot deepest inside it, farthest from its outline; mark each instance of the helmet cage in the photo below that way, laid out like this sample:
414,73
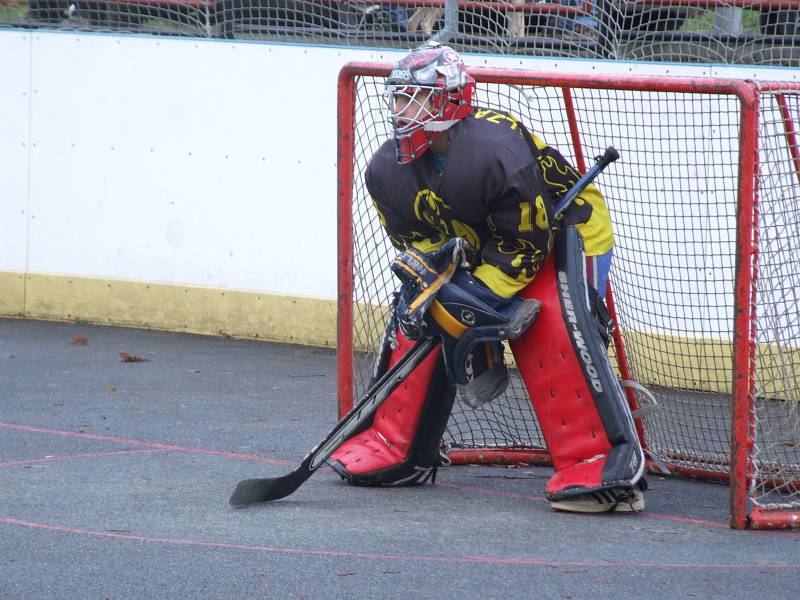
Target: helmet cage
427,93
410,107
411,110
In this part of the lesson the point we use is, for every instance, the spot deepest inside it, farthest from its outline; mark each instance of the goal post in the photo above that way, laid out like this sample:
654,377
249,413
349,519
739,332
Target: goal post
705,281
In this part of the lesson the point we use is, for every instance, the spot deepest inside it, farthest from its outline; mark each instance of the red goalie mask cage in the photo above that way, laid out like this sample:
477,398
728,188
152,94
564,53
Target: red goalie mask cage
705,202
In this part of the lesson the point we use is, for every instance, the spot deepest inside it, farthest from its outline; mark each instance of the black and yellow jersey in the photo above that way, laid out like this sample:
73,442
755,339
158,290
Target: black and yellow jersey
493,192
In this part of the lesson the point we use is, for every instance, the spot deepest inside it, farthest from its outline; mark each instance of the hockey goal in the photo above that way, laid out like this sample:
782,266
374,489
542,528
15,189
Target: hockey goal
705,280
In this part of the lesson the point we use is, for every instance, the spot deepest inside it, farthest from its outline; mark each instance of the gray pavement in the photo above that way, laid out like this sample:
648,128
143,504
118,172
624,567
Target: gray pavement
114,480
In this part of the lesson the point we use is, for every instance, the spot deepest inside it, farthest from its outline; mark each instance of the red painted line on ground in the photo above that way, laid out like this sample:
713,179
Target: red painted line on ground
61,457
688,520
648,515
533,561
153,445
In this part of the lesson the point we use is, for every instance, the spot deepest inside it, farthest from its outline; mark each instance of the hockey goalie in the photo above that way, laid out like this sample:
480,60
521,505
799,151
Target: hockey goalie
454,171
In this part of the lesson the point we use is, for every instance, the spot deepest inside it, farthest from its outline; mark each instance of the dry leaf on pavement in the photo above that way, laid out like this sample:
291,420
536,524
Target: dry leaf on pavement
125,357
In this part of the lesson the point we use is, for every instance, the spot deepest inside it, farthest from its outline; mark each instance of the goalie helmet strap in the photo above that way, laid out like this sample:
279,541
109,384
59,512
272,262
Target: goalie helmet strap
581,408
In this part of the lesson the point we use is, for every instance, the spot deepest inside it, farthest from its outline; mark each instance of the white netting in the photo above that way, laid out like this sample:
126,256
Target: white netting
673,198
777,319
715,31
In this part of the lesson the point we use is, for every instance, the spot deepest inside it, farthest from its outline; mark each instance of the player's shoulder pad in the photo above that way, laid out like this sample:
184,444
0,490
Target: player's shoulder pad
496,134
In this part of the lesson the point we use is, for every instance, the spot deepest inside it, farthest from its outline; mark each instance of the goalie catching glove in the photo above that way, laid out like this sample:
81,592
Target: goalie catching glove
469,317
437,299
422,276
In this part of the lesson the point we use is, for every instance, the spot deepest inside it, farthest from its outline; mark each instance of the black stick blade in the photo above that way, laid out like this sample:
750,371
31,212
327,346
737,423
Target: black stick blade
251,491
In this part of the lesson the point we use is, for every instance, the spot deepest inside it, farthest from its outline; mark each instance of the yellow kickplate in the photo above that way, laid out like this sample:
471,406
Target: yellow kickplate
170,307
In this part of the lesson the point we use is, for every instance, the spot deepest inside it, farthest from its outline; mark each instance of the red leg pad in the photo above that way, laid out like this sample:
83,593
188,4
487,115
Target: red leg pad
556,386
586,474
562,358
388,441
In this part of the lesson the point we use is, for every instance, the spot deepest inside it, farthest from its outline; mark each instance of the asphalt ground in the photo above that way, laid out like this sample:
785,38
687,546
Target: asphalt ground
115,477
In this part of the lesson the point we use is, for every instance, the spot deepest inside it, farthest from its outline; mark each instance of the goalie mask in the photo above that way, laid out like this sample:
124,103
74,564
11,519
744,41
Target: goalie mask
427,93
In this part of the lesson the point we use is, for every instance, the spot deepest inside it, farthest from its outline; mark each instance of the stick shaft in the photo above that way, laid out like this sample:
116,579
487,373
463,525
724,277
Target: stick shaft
250,491
375,396
609,156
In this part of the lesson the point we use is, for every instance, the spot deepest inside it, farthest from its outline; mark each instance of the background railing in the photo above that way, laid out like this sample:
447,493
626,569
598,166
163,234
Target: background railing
758,32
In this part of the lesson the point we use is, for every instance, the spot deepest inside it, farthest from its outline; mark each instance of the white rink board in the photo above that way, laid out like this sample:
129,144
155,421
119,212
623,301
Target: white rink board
189,161
14,147
168,161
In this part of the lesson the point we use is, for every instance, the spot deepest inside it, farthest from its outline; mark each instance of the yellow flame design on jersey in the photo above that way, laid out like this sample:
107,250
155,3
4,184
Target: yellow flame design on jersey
429,209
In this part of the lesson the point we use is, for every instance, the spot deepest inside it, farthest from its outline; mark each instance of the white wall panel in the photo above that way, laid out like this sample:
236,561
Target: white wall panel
188,161
14,145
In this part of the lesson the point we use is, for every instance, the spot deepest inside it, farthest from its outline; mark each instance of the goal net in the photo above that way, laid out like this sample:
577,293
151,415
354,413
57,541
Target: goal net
762,32
705,282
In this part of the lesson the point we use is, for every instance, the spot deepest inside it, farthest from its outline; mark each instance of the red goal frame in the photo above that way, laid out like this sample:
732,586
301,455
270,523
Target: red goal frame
748,93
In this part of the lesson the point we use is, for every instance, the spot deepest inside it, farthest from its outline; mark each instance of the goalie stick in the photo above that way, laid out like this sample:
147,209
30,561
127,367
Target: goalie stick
601,162
251,491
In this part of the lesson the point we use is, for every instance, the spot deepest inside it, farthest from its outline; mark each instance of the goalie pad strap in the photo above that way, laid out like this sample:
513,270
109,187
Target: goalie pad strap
583,413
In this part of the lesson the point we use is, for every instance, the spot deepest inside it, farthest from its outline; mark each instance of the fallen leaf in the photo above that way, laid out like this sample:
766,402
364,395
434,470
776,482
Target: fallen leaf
125,357
79,340
111,389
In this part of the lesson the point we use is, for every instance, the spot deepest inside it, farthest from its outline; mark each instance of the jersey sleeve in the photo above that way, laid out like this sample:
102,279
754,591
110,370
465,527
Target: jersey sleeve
403,231
588,212
519,222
